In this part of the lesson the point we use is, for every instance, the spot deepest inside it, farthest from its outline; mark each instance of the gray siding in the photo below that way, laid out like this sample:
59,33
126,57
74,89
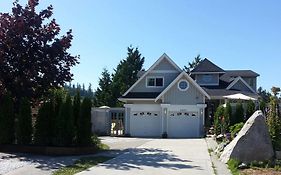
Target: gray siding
190,97
241,86
212,79
168,78
252,82
165,65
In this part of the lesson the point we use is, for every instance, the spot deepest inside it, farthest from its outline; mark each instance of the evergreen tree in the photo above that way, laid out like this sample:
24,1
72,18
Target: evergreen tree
250,109
227,116
219,116
84,130
24,125
43,126
7,120
239,114
193,64
103,95
125,75
76,108
67,113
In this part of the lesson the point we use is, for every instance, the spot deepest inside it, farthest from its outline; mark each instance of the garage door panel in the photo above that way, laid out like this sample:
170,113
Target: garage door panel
145,124
183,124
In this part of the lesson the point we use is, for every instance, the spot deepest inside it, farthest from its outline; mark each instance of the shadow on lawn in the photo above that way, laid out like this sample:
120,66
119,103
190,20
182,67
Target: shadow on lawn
157,158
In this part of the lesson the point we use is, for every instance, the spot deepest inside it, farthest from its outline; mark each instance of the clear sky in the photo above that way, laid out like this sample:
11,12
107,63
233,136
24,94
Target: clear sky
233,34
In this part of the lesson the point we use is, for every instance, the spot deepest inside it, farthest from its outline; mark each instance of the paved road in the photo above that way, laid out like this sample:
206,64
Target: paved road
159,156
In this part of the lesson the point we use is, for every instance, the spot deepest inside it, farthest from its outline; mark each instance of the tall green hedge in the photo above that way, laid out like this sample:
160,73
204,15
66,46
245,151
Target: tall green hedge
84,132
44,125
7,119
24,123
239,114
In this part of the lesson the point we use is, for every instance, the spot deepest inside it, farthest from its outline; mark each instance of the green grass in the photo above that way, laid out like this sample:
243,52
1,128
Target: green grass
233,166
81,165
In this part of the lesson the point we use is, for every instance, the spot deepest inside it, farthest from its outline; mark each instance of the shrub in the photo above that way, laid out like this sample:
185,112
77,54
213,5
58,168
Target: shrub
234,129
7,120
217,120
239,114
84,131
250,109
233,166
24,125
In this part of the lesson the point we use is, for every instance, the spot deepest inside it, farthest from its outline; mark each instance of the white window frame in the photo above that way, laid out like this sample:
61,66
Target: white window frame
185,88
154,77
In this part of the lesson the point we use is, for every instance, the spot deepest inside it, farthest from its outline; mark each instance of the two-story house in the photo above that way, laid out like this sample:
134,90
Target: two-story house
165,100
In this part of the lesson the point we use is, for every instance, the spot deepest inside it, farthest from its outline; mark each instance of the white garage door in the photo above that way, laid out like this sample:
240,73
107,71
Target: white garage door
183,124
145,124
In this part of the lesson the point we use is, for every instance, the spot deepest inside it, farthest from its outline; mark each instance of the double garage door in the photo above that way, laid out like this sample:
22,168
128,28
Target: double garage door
178,124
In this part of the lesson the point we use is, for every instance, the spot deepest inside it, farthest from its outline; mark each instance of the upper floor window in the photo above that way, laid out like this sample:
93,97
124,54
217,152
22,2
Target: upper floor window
207,79
155,82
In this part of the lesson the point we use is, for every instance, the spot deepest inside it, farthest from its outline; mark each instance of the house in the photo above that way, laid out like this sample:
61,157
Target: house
166,101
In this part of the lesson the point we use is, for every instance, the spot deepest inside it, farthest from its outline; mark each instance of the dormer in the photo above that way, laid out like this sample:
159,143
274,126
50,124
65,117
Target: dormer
207,73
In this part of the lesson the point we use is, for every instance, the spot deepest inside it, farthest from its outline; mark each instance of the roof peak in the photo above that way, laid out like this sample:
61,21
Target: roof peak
207,66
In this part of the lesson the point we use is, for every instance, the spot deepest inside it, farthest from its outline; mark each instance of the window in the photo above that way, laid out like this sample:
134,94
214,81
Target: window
155,82
183,85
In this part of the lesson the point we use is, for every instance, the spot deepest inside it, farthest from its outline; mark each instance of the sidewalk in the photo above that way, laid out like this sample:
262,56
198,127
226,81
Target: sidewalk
221,168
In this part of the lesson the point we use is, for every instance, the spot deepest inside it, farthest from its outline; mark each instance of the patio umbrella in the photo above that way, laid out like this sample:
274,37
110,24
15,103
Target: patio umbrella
239,96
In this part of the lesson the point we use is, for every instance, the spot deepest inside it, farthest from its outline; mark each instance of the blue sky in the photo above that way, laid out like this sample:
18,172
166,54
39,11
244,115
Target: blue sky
233,34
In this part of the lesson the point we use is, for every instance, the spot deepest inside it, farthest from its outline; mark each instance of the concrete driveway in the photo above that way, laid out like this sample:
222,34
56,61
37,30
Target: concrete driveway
157,156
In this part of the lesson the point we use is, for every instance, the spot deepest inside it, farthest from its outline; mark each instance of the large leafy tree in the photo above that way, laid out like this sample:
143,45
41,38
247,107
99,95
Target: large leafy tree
103,95
193,64
125,75
34,56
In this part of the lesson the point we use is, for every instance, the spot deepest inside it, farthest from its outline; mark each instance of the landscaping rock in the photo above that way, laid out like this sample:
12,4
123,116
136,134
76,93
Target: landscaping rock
252,143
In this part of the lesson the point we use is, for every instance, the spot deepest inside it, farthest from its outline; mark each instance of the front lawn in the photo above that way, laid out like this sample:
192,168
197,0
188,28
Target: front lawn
81,165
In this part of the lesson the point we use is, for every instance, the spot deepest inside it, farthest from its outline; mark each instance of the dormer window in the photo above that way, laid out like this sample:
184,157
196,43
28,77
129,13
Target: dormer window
207,79
155,81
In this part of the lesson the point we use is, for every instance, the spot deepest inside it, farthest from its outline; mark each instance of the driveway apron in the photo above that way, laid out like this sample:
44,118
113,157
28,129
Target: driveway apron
159,156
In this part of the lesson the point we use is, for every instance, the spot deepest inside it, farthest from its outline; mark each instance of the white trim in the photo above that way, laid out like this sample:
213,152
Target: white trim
243,81
186,86
207,72
164,71
154,77
135,99
164,56
177,79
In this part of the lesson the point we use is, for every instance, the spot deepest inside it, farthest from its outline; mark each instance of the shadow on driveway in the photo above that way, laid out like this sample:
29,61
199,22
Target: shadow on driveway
137,158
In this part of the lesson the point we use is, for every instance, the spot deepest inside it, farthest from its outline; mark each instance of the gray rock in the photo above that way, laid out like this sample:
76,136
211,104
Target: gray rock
252,143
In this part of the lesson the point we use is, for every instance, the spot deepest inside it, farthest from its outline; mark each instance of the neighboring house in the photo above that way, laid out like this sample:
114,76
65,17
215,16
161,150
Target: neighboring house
166,101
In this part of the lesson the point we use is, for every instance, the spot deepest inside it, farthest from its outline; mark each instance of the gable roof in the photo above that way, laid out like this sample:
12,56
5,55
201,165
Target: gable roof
164,56
231,74
183,74
207,66
236,80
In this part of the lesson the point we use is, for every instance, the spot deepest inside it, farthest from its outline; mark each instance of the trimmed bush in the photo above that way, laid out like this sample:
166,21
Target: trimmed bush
7,120
24,123
84,131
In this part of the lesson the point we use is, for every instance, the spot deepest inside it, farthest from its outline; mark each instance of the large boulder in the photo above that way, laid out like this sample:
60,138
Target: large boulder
252,142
